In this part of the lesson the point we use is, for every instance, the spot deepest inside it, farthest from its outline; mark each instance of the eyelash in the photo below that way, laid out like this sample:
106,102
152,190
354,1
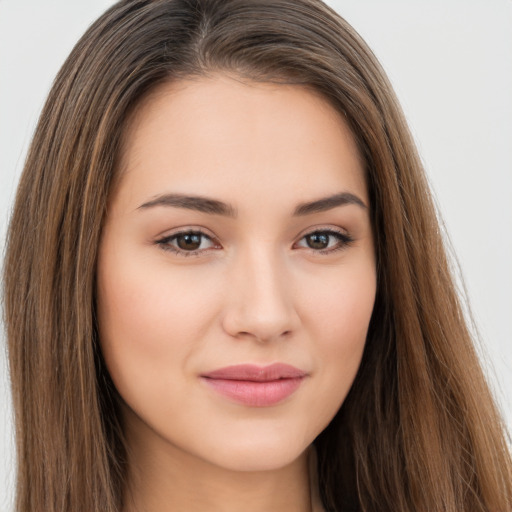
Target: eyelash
343,241
165,242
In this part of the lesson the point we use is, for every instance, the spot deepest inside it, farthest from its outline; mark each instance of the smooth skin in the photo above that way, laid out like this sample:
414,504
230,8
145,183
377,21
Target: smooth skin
277,265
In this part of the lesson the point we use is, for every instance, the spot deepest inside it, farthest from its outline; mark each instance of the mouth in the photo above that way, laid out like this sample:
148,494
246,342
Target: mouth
255,386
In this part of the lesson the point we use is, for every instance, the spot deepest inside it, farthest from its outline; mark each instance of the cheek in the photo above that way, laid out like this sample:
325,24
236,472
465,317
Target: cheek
340,305
151,319
339,315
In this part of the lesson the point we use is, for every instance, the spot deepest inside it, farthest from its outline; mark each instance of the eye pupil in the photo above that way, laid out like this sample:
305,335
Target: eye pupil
318,240
189,241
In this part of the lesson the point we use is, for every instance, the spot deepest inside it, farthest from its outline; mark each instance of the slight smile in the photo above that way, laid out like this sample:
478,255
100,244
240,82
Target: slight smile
256,386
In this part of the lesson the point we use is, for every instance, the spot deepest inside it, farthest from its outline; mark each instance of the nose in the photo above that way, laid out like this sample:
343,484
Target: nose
260,302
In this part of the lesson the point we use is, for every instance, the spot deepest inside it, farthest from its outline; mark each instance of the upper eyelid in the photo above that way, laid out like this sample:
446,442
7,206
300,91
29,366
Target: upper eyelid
206,232
183,231
324,229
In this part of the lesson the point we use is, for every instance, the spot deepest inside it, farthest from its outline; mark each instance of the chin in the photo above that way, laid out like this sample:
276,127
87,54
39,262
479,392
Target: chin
262,451
257,458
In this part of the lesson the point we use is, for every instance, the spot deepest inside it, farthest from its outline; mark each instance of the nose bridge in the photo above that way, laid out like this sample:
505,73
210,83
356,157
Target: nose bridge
261,301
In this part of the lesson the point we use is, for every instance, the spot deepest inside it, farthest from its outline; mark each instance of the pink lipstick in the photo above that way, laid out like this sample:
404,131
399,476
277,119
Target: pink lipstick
255,386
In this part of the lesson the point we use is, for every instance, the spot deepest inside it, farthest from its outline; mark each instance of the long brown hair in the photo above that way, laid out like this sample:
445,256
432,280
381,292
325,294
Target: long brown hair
419,430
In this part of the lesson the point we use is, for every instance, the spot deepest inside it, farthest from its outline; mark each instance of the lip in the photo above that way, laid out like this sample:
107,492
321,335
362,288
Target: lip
255,386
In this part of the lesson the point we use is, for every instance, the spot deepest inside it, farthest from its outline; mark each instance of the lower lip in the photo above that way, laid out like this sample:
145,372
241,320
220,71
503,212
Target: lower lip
255,394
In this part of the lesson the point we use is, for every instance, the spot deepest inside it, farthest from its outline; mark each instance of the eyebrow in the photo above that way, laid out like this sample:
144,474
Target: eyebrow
215,207
197,203
328,203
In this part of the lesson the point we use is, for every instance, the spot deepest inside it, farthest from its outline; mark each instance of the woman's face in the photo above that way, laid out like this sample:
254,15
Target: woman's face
236,272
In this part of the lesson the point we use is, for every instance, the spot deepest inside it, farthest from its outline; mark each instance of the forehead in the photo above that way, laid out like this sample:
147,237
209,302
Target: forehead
216,134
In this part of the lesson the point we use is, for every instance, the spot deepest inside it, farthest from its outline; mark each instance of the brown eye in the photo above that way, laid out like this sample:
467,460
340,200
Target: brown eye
325,241
318,240
189,241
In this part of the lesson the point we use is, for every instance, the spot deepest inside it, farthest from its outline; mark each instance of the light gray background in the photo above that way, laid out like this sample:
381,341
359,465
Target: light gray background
451,64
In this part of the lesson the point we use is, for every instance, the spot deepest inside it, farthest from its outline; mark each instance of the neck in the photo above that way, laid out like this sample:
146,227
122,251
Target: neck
163,478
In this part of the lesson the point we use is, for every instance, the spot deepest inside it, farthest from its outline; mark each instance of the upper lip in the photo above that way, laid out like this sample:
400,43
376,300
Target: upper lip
255,373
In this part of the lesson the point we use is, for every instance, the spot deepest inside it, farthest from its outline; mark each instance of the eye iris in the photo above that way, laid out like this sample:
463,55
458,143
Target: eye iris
318,240
189,242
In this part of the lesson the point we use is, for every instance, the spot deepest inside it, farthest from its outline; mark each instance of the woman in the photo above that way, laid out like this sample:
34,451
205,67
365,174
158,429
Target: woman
236,274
